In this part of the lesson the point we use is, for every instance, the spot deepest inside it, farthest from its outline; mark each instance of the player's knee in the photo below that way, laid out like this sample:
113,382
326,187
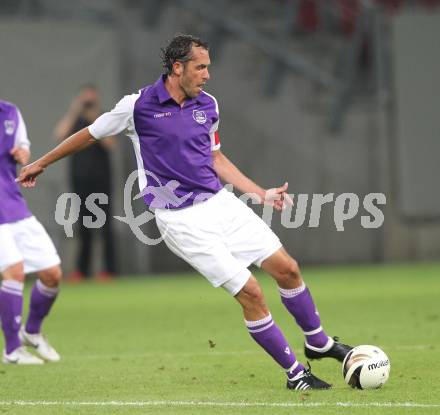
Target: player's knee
293,270
255,295
252,295
14,272
290,274
51,277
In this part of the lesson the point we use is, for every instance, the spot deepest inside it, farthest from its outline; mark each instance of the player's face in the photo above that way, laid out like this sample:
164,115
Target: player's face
195,72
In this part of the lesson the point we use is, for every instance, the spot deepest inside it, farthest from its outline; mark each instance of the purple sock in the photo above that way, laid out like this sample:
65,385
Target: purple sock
267,334
300,304
11,305
42,299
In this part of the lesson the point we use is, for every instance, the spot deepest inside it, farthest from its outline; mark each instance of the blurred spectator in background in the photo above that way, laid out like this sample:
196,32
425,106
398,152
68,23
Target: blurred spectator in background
89,172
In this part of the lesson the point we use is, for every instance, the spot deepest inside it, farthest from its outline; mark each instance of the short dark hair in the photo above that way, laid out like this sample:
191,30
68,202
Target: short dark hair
179,50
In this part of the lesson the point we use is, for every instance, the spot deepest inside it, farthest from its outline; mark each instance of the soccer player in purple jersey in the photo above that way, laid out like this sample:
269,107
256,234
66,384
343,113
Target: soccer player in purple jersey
173,126
24,247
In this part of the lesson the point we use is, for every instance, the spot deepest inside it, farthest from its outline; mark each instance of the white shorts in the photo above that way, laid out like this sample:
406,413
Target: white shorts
26,241
220,238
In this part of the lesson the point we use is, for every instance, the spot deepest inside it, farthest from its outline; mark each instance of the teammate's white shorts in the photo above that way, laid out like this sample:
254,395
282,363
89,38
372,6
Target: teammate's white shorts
26,240
220,238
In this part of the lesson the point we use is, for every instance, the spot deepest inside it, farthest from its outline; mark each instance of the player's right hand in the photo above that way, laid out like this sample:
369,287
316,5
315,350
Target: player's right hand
28,174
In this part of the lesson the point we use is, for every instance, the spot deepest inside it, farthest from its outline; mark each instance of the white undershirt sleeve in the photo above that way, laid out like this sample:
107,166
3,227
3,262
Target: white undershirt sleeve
21,137
213,133
215,139
119,119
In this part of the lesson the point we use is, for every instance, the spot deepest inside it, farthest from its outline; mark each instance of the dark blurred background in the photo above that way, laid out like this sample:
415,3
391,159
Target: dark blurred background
333,96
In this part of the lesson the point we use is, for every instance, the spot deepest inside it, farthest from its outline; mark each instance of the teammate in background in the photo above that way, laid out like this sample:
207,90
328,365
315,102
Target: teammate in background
84,109
174,128
25,247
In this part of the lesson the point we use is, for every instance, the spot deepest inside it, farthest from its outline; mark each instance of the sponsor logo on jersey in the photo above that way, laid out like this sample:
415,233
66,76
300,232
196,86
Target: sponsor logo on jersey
9,127
162,114
200,116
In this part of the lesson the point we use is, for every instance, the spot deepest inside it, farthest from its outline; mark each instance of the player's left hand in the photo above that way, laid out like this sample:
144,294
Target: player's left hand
21,154
278,197
28,174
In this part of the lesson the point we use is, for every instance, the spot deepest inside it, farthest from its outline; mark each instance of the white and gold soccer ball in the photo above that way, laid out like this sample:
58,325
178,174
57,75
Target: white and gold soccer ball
366,367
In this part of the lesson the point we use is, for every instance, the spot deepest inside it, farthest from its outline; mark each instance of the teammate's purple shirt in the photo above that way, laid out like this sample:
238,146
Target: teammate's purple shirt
13,207
173,144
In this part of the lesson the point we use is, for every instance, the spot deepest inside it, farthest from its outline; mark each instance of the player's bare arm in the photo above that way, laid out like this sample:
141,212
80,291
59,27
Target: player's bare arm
21,154
73,144
229,173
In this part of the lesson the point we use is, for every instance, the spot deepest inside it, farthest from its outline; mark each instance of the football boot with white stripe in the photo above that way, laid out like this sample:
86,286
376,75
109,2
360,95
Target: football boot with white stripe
336,350
305,380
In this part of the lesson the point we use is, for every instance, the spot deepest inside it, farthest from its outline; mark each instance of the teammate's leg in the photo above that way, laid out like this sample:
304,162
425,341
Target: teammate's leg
11,305
43,296
299,302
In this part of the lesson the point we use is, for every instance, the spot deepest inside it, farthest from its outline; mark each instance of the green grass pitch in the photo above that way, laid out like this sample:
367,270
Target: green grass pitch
174,345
